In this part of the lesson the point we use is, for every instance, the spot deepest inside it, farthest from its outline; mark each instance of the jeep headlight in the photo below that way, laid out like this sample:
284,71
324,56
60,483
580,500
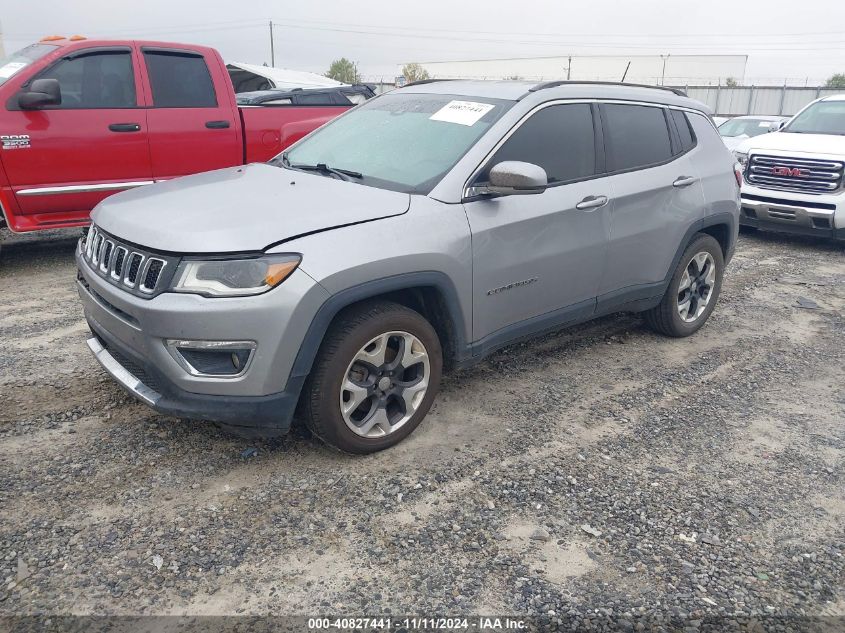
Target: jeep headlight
235,277
741,158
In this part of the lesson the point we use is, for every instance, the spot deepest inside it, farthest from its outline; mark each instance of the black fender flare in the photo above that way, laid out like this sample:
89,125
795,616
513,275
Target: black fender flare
346,297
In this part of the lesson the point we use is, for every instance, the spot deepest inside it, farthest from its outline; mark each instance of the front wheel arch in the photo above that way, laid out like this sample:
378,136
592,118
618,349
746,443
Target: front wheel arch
431,293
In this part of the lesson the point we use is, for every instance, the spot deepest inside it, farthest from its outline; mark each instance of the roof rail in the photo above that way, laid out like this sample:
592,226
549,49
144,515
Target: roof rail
422,82
566,82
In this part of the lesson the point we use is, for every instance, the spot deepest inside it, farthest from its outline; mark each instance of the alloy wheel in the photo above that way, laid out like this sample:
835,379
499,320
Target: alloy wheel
384,384
696,287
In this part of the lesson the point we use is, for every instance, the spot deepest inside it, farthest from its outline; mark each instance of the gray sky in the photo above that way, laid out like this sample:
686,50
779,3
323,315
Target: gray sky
783,38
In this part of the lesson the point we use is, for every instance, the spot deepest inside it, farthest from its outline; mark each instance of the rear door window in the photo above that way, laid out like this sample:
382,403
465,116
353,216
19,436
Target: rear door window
179,80
559,138
636,136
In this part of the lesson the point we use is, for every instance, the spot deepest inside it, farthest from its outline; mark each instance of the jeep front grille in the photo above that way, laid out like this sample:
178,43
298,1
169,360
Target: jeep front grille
795,174
136,270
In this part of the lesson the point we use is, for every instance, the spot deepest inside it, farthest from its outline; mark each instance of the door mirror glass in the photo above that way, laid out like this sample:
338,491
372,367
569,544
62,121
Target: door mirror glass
41,93
514,178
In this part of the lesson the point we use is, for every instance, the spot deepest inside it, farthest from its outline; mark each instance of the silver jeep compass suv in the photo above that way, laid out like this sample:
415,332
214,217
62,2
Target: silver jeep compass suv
417,233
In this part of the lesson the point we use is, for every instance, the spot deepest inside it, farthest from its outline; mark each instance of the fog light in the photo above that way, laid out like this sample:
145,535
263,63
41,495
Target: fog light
212,359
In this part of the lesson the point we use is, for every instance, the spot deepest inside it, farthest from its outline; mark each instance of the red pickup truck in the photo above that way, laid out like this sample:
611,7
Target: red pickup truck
82,119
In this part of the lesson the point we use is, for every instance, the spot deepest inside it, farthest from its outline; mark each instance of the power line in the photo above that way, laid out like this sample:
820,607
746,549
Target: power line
566,47
774,43
401,29
188,28
605,45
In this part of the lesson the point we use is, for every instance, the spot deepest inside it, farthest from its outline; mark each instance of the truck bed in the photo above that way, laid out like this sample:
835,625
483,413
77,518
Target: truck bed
267,130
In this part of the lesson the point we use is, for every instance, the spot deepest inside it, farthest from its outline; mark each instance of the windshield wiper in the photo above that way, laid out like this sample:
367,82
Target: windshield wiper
343,174
319,167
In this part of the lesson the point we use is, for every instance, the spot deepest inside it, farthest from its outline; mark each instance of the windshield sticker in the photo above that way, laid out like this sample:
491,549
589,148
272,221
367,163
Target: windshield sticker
765,123
462,112
10,69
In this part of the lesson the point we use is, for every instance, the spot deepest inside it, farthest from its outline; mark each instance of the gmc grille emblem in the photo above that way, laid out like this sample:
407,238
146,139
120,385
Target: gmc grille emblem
793,172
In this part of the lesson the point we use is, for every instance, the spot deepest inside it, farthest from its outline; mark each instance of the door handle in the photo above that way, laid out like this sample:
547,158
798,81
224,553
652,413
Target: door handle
591,202
216,125
125,127
684,181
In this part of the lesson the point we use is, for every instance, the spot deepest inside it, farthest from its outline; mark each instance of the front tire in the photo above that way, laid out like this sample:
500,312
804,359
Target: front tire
693,290
374,379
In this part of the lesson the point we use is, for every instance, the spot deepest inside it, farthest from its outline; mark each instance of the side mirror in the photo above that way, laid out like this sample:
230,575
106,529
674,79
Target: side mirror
515,178
776,126
42,92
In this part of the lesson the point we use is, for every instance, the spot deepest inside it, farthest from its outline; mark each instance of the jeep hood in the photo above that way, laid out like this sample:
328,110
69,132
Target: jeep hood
241,209
796,144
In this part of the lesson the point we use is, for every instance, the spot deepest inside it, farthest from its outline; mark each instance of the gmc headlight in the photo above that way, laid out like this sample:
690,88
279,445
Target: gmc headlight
741,158
234,277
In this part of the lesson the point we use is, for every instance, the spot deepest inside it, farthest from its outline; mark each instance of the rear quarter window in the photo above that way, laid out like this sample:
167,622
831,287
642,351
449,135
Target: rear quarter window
685,134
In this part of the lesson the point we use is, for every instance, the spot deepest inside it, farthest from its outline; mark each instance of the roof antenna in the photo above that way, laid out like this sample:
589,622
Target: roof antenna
625,74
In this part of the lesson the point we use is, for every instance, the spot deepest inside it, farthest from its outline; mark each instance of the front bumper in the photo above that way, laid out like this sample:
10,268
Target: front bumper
790,212
131,335
265,416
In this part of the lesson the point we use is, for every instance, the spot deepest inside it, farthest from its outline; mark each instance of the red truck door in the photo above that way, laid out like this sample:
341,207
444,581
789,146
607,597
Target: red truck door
79,152
191,113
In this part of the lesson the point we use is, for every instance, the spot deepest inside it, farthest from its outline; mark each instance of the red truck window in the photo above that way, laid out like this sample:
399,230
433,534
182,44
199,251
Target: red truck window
179,80
95,80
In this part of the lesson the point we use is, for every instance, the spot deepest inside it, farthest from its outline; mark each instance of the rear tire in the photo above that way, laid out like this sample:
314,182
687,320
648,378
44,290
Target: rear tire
374,379
693,290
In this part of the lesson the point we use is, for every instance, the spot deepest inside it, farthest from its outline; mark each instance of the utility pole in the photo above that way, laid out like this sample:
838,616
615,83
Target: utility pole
663,76
569,68
272,47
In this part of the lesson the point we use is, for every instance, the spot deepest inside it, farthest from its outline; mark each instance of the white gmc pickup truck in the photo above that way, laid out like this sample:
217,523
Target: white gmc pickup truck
793,178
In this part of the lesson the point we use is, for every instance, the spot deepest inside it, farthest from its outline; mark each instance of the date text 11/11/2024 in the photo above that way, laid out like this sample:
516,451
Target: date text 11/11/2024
481,623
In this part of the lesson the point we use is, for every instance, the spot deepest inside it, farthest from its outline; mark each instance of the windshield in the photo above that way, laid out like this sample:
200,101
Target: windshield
823,117
11,65
745,127
404,142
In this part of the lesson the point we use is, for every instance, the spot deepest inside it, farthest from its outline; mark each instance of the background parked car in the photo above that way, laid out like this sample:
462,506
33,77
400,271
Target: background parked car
735,131
341,95
252,77
794,179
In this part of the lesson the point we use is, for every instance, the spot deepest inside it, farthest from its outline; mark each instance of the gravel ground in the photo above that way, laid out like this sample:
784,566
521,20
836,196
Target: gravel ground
602,472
